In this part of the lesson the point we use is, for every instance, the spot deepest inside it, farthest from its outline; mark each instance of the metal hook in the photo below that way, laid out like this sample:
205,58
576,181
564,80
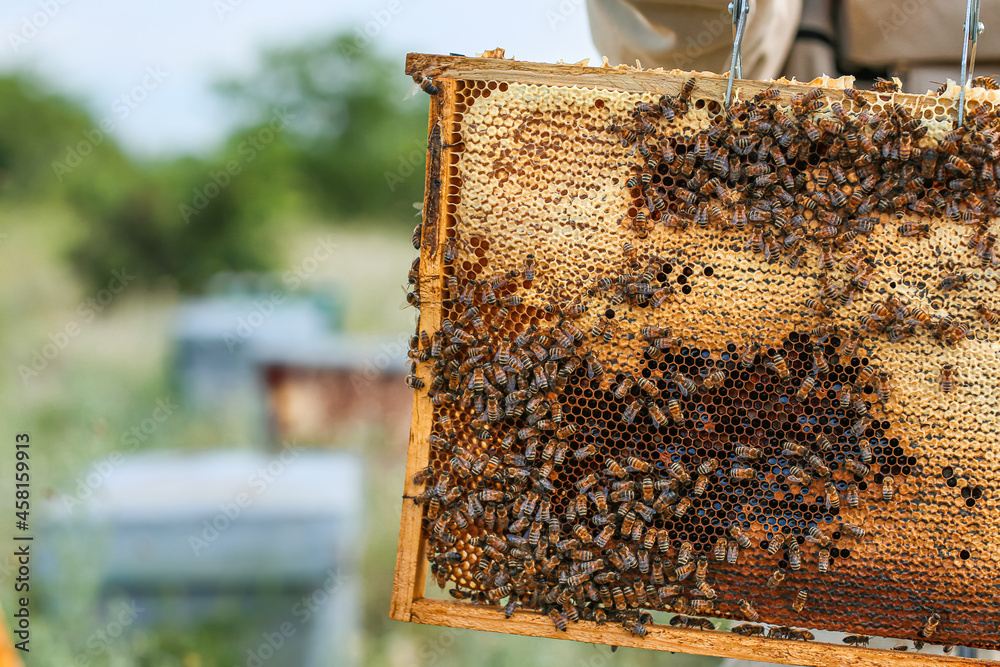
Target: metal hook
969,63
740,9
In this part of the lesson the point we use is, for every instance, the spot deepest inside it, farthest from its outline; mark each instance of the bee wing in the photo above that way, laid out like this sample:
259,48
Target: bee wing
413,91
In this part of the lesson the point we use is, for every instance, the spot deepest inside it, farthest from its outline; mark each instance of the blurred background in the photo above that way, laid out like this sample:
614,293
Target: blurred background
205,212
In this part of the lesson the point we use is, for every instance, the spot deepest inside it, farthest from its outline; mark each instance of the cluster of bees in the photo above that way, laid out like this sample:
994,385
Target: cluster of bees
810,179
619,546
612,542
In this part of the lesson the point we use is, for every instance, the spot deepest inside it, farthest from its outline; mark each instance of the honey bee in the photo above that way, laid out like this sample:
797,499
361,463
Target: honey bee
953,282
748,630
824,561
736,532
624,387
653,332
749,356
864,445
742,473
798,476
648,387
677,470
682,507
739,216
795,558
426,83
806,387
774,545
719,549
708,466
686,89
732,552
855,96
930,625
700,486
820,364
684,383
790,448
776,578
888,487
855,467
882,387
594,367
632,411
748,611
914,229
832,497
800,600
657,414
684,571
746,452
947,383
714,379
703,607
851,529
676,413
857,640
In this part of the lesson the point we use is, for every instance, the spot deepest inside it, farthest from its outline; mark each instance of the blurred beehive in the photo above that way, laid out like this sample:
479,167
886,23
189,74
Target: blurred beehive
784,410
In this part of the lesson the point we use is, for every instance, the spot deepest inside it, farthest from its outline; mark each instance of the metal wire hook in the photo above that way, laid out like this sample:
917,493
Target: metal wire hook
740,9
969,63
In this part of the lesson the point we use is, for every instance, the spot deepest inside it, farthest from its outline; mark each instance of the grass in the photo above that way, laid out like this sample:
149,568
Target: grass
108,377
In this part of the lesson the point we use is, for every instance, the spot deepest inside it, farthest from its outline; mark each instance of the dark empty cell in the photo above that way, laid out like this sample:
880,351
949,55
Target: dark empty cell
964,554
971,502
966,492
911,460
667,268
948,472
682,279
977,492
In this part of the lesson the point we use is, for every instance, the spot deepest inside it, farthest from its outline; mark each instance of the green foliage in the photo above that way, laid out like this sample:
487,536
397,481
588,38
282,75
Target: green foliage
43,136
327,134
358,144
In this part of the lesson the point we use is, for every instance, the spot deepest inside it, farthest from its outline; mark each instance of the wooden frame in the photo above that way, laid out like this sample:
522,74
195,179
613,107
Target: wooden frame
408,601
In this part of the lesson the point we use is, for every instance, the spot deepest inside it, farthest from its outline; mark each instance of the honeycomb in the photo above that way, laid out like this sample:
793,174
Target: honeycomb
737,364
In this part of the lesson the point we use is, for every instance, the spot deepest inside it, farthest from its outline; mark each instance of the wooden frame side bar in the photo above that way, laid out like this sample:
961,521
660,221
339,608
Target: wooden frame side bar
411,565
666,638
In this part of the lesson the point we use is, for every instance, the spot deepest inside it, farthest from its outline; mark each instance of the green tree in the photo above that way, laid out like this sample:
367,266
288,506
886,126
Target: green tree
359,143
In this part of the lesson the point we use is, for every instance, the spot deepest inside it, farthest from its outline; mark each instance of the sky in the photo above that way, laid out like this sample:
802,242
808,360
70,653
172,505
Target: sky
149,65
